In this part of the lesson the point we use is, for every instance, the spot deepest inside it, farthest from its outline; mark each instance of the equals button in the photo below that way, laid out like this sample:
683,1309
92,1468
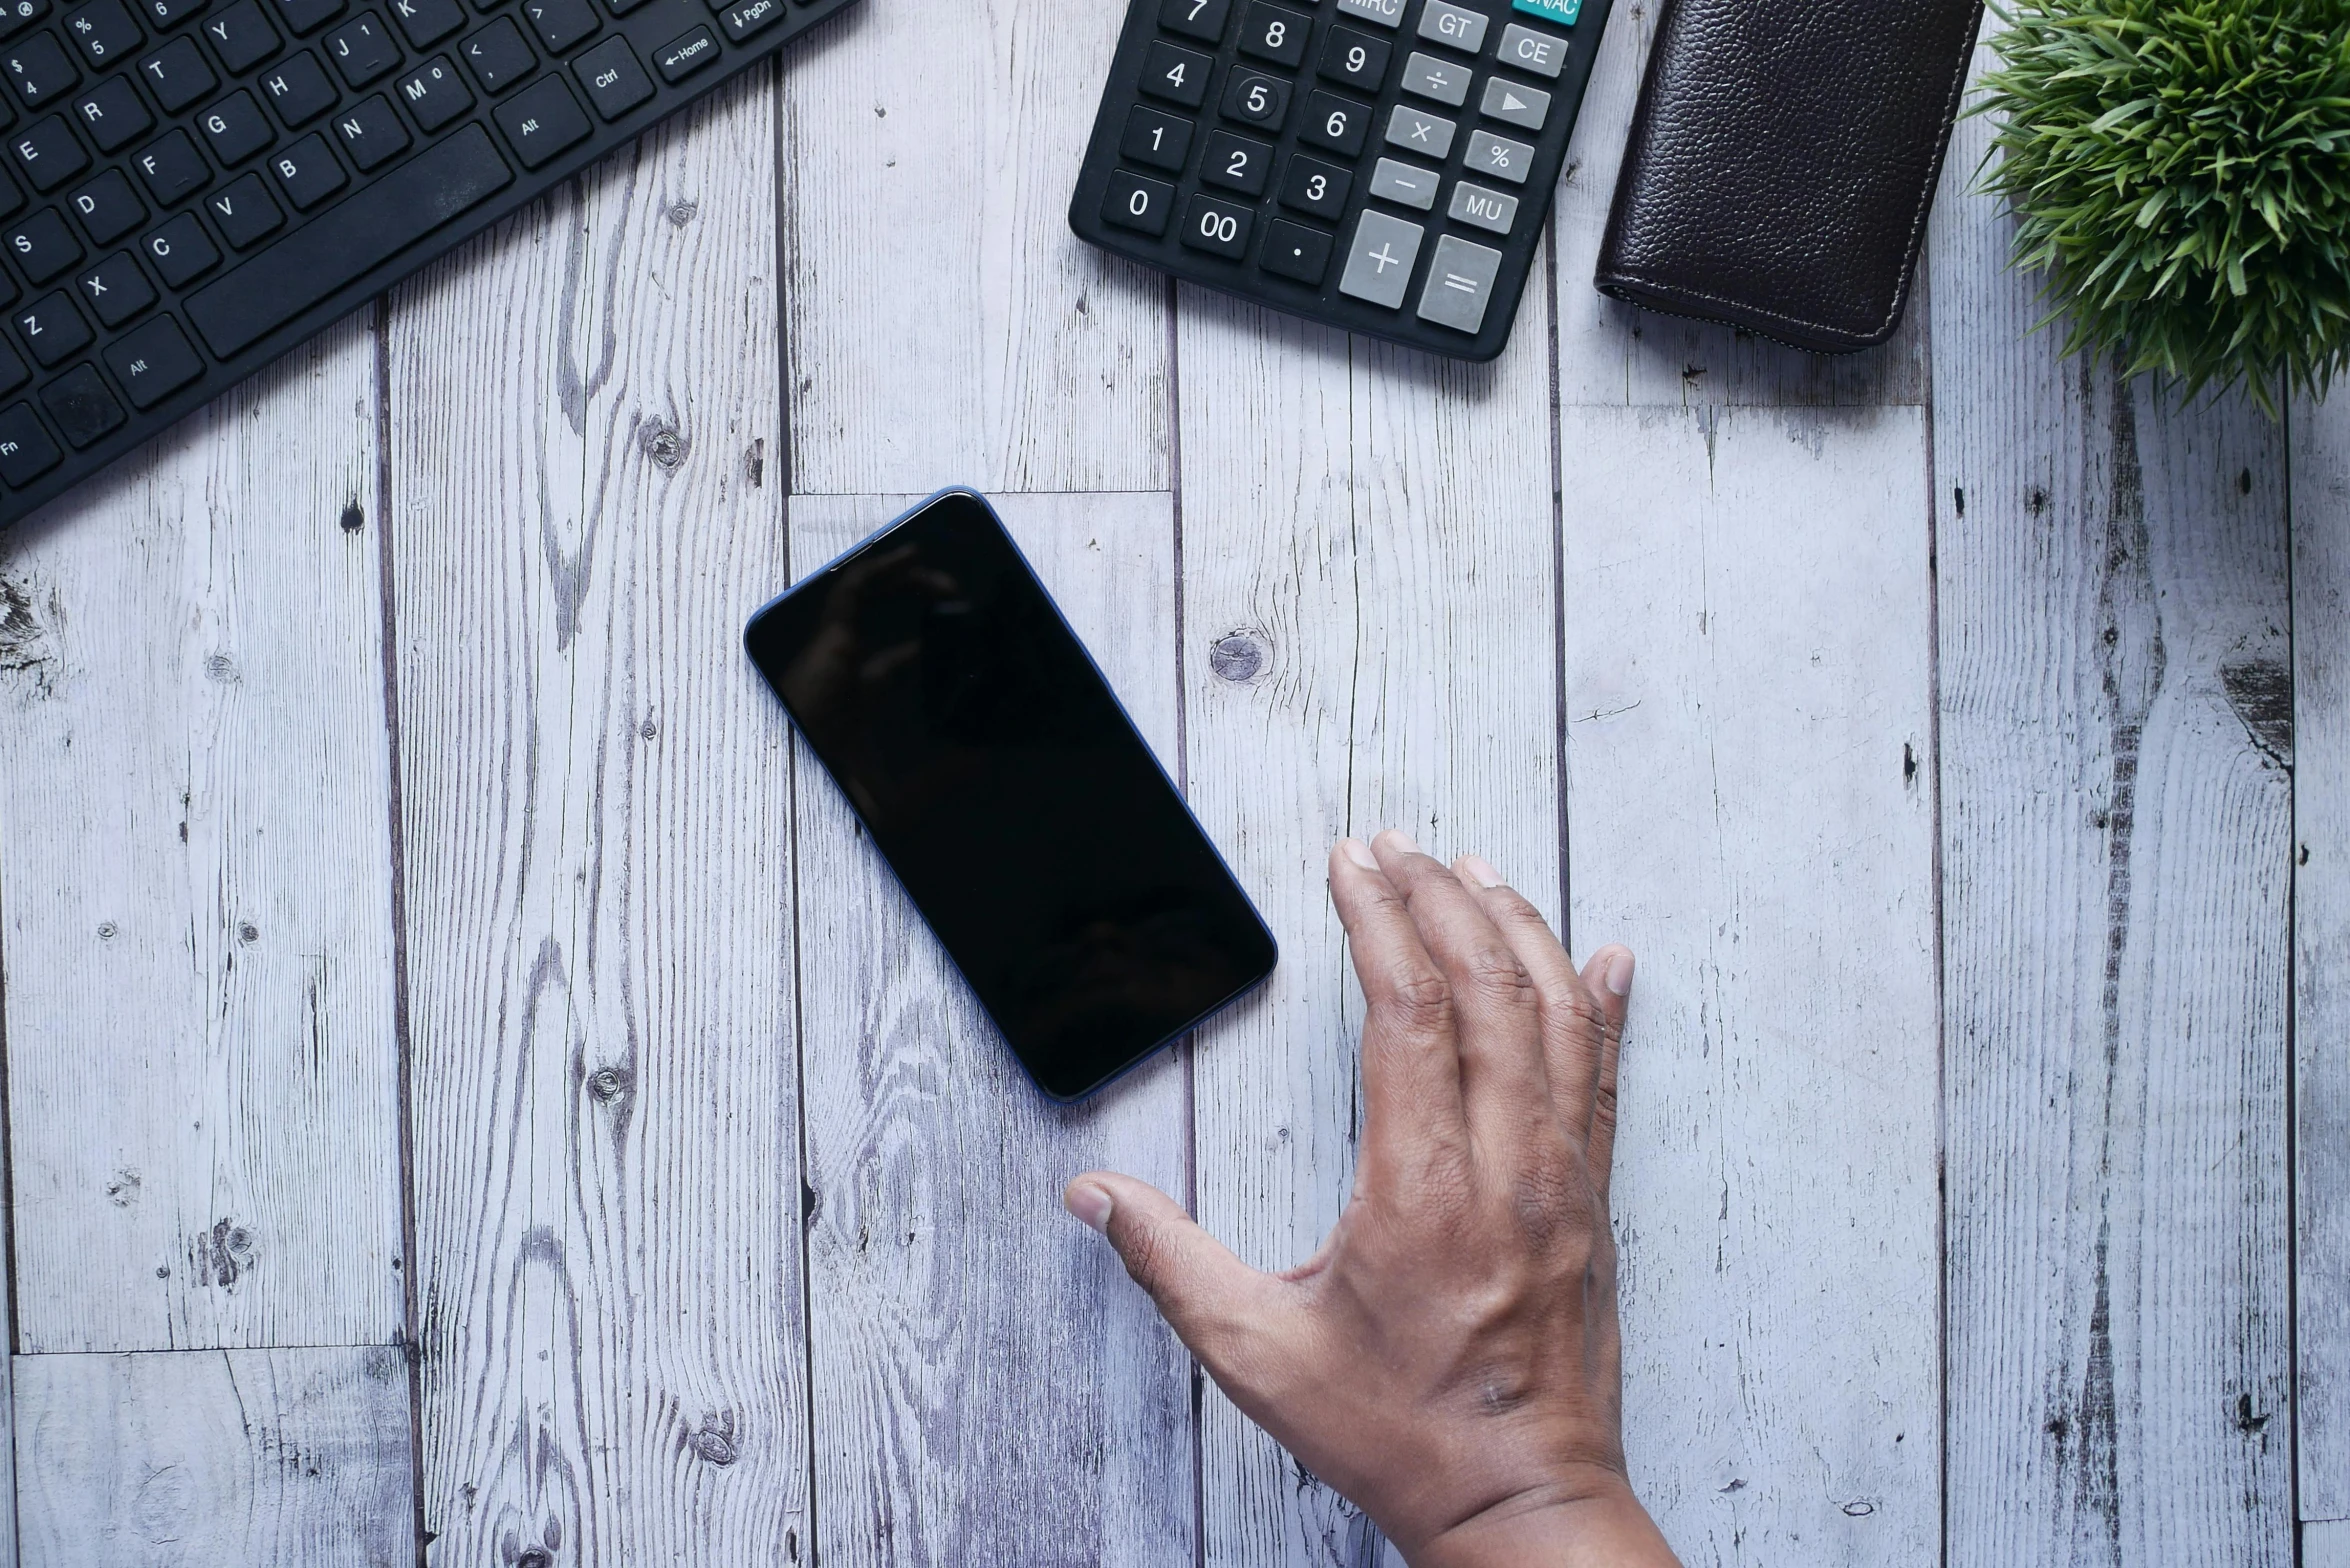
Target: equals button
681,57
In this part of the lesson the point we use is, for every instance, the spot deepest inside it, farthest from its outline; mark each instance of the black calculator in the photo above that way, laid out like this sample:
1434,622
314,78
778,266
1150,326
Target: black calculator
1381,165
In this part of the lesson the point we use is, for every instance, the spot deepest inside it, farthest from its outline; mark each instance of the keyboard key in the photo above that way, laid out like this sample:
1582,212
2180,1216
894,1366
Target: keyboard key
1218,227
427,22
1460,280
434,93
104,32
82,405
26,452
1271,32
1405,184
173,169
153,361
448,178
116,289
1562,12
170,13
108,208
181,251
1339,124
681,57
1236,163
43,246
1496,155
242,35
1138,204
1537,54
372,135
1294,251
235,129
112,115
39,70
1474,204
615,83
178,75
1357,59
752,16
1316,187
1515,103
362,50
1379,263
1387,13
1176,75
14,372
11,199
1256,99
307,16
543,121
52,328
1441,81
1426,134
17,15
1200,19
298,90
245,211
559,23
307,172
1453,26
497,56
1156,139
48,153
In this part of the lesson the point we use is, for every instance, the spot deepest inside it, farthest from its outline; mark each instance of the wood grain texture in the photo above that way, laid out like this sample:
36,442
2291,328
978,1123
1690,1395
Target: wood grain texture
595,826
1368,642
195,884
1749,780
2321,926
196,1459
2325,1544
990,1388
945,325
2116,747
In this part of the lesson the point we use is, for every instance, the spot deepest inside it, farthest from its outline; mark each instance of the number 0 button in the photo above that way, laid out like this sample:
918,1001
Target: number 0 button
1217,227
1138,204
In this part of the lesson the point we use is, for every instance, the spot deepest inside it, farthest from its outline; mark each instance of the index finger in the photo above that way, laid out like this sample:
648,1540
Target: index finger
1411,1058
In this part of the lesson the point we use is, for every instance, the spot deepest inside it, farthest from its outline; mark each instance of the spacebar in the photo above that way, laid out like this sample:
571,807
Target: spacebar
340,244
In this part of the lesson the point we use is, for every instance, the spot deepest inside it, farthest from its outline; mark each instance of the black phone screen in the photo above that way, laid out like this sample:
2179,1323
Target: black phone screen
1017,803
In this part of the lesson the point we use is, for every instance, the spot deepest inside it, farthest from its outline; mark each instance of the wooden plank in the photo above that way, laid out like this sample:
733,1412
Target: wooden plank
945,327
595,796
2321,971
2116,745
2325,1544
986,1380
203,1073
193,1459
1368,642
1749,740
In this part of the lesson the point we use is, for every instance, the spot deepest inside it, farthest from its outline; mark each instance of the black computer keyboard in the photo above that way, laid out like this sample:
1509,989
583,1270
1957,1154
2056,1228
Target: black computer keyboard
193,187
1381,165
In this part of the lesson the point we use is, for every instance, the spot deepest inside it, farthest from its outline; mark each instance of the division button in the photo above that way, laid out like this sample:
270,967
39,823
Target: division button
681,57
1474,204
1523,49
1294,251
1428,135
1499,156
1387,13
1460,280
1407,185
1379,263
1443,81
1515,103
1138,204
1452,26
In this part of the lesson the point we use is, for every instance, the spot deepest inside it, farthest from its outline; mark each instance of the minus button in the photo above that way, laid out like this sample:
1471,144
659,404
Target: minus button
681,57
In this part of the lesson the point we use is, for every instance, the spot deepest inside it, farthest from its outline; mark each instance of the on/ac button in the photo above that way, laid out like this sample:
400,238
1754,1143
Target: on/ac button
681,57
1562,12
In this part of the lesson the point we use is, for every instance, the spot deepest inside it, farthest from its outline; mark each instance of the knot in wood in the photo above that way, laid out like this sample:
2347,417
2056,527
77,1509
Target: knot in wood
664,444
1237,657
536,1557
606,1083
106,931
353,518
248,933
714,1442
682,213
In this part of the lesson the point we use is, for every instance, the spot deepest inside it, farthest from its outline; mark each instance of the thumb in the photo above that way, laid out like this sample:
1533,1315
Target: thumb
1209,1297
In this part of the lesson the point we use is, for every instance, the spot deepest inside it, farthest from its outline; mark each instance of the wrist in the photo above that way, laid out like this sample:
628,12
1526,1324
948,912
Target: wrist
1578,1522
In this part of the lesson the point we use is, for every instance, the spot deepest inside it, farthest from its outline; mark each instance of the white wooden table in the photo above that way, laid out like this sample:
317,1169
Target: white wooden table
468,1084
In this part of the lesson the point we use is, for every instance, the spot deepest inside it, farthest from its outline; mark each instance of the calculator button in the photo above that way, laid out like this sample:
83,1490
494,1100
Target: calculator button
1474,204
1491,154
1236,163
1460,279
1160,141
1139,204
682,56
615,83
1316,187
1339,124
1523,49
1442,80
1387,13
1256,99
1379,264
1218,227
1453,27
1515,103
1294,251
1404,184
1200,19
1427,134
1177,75
1272,33
1357,59
1562,12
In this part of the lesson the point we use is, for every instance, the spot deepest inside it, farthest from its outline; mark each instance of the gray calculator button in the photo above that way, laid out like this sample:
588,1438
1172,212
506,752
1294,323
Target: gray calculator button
1460,280
1499,156
1427,134
1523,49
1441,80
1405,184
1474,204
1516,103
1387,13
1452,26
1379,263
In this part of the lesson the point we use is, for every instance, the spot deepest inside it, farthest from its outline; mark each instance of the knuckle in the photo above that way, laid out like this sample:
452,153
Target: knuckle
1495,974
1420,1001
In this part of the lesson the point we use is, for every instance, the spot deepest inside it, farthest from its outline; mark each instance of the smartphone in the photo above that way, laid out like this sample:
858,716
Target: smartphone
1019,807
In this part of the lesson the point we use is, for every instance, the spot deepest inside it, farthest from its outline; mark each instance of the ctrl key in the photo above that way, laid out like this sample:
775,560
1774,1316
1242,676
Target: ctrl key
1138,204
26,452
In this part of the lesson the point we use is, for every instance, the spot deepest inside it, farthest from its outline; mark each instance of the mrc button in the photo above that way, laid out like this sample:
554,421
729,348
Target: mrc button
681,57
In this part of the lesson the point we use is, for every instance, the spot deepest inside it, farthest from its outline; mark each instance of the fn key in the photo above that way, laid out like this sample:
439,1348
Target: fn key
542,121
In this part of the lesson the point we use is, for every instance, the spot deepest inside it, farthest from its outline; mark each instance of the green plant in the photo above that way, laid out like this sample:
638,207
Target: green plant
2181,170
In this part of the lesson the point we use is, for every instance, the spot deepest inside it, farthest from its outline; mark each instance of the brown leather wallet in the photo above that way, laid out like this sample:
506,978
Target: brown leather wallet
1781,162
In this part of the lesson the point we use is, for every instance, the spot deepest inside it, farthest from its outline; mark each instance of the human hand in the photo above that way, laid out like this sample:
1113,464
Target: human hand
1449,1358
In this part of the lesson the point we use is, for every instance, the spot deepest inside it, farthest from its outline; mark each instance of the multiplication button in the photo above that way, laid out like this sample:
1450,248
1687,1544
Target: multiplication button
1379,263
1460,280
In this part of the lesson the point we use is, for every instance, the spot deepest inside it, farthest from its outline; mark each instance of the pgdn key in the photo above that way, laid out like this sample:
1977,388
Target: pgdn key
752,16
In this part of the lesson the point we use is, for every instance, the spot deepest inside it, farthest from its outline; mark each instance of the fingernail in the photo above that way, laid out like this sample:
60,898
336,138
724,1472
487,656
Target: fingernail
1619,974
1089,1203
1481,870
1404,842
1360,853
